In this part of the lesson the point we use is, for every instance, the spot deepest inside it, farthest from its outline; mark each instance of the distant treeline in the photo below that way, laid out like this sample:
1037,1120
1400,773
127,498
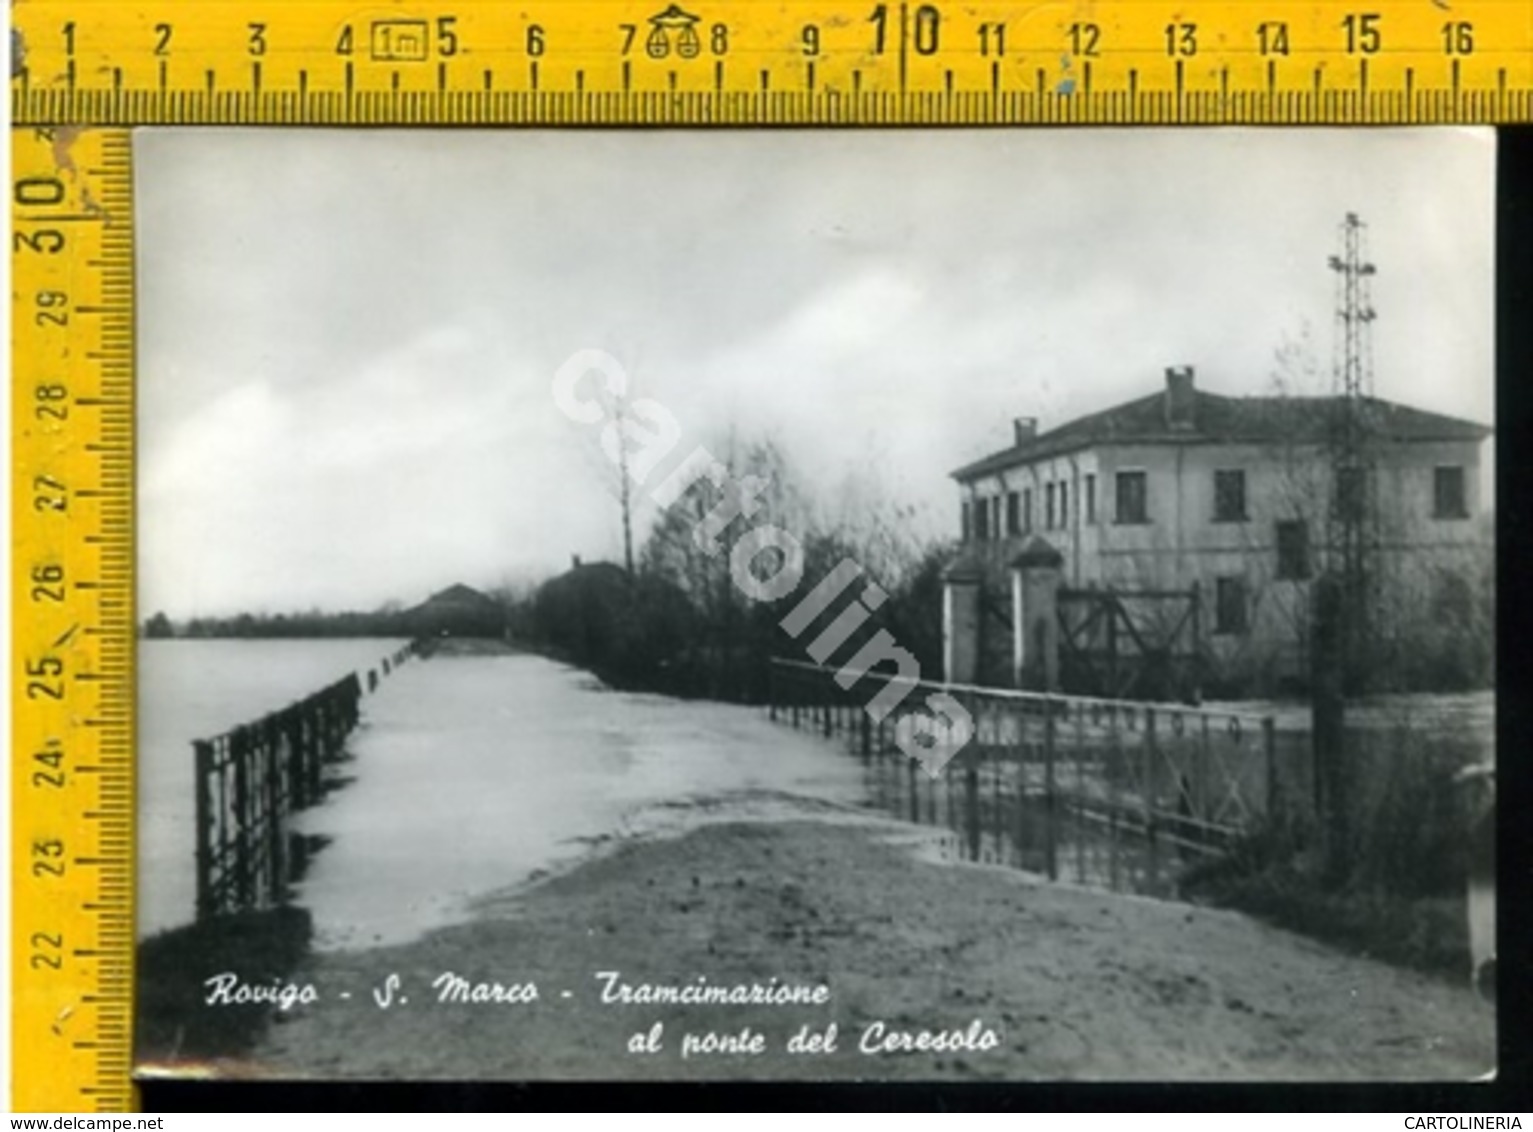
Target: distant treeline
680,624
379,623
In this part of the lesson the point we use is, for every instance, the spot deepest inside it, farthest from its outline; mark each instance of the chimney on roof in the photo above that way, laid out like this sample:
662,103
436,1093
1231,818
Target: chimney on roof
1180,398
1025,428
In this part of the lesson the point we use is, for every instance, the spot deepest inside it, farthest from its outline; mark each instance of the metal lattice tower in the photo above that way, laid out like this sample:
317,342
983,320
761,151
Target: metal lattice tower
1353,509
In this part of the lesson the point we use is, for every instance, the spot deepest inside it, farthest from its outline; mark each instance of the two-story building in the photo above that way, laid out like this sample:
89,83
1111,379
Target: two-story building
1187,525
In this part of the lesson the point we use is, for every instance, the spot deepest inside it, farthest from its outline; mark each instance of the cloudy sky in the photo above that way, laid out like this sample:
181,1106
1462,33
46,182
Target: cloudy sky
347,338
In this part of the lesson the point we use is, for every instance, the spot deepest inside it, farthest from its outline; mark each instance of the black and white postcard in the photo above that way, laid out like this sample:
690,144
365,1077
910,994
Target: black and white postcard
813,605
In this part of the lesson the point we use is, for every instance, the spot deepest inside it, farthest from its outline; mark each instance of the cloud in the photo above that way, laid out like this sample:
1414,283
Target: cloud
345,354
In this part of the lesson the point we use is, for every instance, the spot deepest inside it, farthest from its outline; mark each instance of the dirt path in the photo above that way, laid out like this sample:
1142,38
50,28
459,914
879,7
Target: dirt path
1073,984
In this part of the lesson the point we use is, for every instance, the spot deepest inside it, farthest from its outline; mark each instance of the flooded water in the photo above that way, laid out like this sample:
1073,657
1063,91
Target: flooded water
1471,715
470,774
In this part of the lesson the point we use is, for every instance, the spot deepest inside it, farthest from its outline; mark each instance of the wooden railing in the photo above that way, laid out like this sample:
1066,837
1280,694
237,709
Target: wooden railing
251,780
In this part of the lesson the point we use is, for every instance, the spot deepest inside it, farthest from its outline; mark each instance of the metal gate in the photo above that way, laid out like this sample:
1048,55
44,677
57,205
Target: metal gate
1131,644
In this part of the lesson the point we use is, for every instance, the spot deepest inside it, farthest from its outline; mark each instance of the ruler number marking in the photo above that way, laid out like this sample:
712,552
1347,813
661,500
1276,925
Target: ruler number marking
926,36
44,241
48,582
47,314
38,192
1363,33
1181,39
50,757
47,951
49,494
48,861
925,33
45,678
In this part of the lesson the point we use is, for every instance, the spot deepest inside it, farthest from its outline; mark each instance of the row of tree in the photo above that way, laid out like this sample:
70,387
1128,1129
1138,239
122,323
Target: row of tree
680,623
387,621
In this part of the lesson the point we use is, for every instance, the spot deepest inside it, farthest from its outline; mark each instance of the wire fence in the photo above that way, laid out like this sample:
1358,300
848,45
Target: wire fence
1113,793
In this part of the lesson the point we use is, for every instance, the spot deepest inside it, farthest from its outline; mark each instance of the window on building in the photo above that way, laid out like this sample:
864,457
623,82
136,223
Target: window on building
1230,496
981,519
1048,507
1132,501
1293,550
1351,493
1229,605
966,521
1027,508
1448,498
1091,498
1064,504
995,516
1013,513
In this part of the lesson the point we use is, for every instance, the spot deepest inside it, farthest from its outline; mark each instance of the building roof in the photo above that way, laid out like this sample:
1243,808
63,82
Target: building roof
1217,419
458,597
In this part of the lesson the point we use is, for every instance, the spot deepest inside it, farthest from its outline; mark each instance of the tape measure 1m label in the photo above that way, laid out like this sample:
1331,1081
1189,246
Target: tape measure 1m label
463,62
72,616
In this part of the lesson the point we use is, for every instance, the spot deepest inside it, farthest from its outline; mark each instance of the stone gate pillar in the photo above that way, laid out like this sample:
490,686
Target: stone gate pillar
961,621
1035,580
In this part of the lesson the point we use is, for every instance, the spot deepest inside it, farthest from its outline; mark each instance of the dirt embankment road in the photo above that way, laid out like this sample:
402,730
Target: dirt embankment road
1071,984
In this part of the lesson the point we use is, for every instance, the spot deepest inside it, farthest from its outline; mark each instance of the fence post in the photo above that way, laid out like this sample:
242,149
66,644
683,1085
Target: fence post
997,811
1269,743
915,798
971,808
203,754
1021,776
297,780
826,707
1331,661
1148,792
1114,801
239,751
1050,831
276,858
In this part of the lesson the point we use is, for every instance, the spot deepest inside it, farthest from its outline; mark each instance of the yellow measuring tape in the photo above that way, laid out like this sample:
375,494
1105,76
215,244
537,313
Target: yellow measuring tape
791,61
72,612
83,71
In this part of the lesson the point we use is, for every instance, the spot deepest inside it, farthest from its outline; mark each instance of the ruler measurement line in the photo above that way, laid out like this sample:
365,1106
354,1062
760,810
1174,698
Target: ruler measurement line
92,451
